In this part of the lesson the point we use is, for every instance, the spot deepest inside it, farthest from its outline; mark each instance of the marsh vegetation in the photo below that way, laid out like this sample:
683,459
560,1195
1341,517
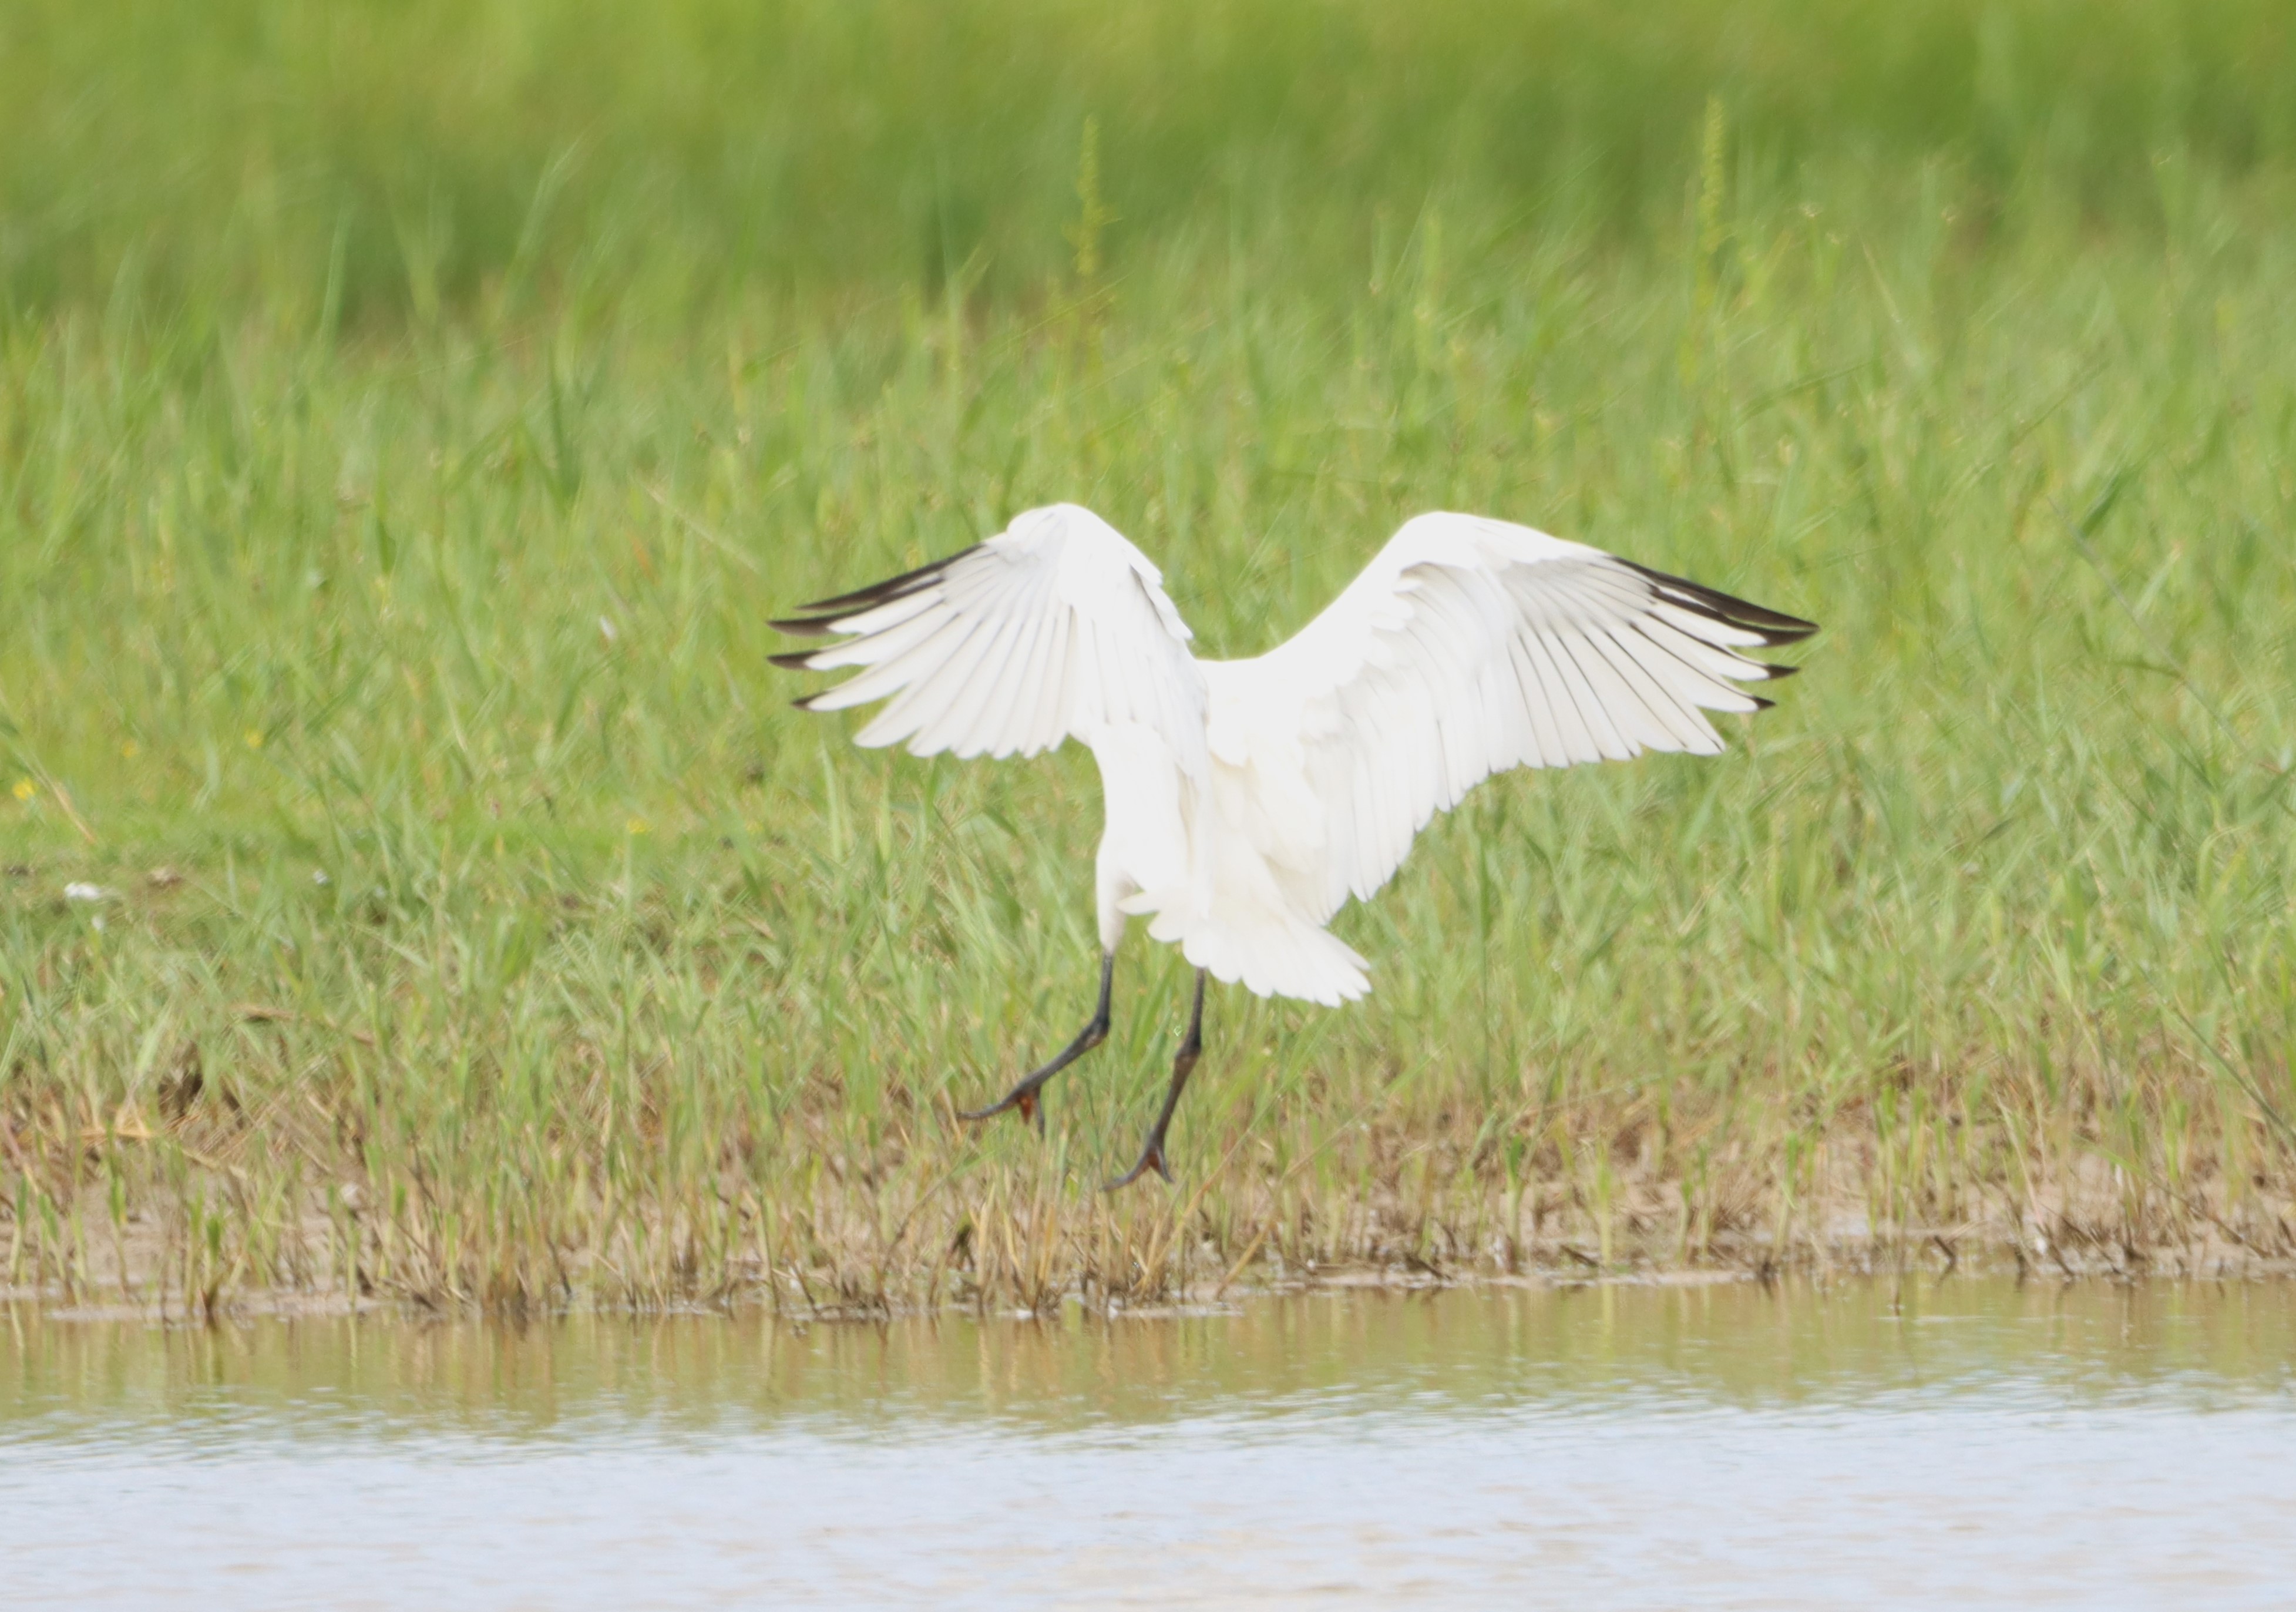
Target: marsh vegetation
416,885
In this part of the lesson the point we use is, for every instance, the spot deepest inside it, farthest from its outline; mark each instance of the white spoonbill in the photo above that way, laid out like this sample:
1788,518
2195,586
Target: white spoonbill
1246,800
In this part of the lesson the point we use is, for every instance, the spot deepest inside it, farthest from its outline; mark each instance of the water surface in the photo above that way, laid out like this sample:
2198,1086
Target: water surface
2091,1445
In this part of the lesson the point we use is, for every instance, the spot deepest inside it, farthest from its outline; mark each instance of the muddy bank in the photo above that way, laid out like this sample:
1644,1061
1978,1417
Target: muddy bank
881,1236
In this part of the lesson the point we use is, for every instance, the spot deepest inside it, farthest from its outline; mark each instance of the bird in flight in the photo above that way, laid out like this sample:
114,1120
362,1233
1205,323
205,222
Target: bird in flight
1246,800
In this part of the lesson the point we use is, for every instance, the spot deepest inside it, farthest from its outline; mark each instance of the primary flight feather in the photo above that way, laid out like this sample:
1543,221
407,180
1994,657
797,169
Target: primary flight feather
1246,800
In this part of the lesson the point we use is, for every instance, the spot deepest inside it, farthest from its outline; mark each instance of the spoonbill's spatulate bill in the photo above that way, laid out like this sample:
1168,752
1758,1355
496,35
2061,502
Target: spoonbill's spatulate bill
1246,800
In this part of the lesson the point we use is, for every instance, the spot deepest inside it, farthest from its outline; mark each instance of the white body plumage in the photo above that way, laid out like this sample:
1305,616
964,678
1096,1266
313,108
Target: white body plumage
1246,800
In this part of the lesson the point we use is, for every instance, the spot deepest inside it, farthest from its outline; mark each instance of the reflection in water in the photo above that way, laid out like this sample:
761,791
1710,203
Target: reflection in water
1616,1446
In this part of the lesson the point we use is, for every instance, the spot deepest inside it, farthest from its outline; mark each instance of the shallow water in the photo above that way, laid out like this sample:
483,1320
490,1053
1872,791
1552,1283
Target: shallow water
1619,1446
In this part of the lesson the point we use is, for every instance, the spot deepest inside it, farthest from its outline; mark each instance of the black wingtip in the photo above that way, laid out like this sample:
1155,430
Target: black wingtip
802,627
1775,626
1760,703
892,588
1779,671
802,661
804,702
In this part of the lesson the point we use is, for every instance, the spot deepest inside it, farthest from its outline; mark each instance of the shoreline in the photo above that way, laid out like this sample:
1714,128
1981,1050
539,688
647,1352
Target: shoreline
1928,1254
254,1209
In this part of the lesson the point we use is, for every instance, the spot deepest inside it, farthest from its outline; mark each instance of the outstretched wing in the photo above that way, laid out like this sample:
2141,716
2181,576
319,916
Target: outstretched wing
1056,626
1473,646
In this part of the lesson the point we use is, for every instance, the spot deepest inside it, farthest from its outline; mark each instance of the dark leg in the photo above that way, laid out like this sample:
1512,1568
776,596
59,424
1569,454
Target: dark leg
1183,1062
1023,1096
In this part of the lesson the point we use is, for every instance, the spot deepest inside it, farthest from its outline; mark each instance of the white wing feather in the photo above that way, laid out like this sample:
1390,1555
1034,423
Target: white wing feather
1469,646
1055,627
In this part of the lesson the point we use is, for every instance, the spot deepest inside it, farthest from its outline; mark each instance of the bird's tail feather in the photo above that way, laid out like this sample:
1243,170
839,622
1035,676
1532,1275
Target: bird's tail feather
1279,955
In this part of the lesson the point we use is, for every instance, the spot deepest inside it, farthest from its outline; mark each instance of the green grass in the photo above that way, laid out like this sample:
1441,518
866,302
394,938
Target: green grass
409,420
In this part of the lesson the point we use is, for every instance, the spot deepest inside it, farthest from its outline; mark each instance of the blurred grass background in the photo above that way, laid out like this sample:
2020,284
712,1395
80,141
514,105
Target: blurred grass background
424,158
409,415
